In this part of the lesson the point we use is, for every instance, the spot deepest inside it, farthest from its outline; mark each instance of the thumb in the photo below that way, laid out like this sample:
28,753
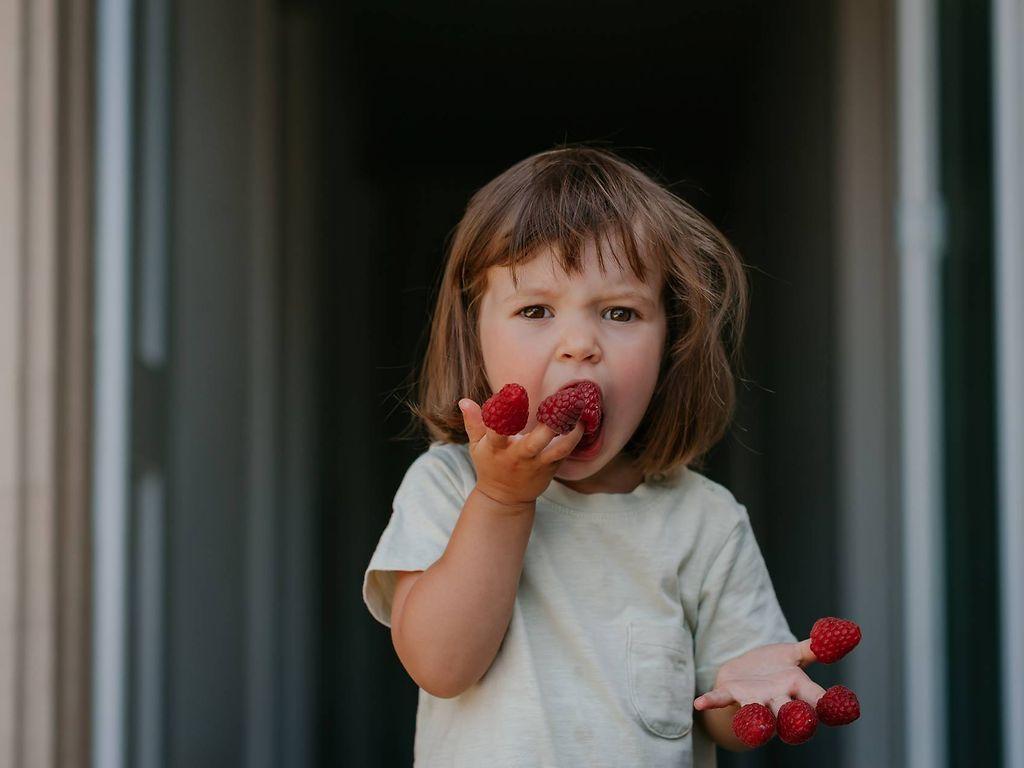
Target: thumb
475,427
714,699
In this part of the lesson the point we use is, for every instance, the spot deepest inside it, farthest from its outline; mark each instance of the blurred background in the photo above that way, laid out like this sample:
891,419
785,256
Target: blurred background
221,226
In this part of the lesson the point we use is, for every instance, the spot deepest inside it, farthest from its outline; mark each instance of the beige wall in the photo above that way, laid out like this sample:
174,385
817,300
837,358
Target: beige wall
44,336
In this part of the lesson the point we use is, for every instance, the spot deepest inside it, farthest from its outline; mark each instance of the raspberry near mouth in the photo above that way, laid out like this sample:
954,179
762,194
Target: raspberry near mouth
593,408
578,401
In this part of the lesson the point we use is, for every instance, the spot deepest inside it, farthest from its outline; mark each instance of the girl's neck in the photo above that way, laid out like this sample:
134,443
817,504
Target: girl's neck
619,475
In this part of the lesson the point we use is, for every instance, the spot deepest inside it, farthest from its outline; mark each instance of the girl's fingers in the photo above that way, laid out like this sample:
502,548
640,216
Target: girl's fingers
538,437
497,439
809,691
800,687
777,703
475,428
563,445
803,655
719,697
535,441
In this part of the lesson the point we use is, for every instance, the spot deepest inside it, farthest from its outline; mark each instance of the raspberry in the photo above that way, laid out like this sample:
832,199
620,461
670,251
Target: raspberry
561,410
507,411
754,724
833,638
797,722
838,706
592,410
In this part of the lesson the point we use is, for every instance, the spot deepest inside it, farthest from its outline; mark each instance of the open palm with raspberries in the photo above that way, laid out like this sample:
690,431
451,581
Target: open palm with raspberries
777,695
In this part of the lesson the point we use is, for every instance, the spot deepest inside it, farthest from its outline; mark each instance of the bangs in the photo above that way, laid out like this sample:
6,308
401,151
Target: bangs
569,200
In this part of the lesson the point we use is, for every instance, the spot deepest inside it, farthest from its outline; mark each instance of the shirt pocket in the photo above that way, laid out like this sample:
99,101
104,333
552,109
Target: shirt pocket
659,666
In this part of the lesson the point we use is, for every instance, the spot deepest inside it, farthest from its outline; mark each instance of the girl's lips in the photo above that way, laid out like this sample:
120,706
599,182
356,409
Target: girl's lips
585,454
574,382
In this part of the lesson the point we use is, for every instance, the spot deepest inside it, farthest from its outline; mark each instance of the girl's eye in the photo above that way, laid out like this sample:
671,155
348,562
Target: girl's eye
531,313
619,310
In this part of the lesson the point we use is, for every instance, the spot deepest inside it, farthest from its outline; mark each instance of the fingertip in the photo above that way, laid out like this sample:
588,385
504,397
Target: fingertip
543,433
574,435
470,410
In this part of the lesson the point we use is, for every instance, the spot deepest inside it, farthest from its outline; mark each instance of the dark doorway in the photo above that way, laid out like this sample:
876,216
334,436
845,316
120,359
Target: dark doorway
418,105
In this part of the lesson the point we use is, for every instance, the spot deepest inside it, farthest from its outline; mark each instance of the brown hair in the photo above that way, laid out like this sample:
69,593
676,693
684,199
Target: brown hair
563,198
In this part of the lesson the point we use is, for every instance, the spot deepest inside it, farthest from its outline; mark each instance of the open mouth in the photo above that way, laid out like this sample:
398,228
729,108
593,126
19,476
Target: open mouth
589,446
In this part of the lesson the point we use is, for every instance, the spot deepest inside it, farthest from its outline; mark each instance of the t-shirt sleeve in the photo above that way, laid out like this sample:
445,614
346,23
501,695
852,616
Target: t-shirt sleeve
424,512
738,609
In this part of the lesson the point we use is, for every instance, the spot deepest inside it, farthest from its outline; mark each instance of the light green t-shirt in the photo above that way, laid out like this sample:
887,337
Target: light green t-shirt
627,605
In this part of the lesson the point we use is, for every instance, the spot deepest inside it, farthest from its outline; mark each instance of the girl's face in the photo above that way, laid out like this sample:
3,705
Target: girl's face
609,328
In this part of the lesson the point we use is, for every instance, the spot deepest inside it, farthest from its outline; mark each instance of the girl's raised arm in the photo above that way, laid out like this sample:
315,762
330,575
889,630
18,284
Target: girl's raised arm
450,619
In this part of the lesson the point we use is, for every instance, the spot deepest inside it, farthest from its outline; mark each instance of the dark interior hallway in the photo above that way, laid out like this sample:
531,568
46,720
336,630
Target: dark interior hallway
422,104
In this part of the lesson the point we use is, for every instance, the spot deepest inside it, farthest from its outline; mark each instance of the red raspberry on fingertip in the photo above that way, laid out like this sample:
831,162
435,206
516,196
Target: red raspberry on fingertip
507,411
838,706
797,722
561,410
833,638
754,724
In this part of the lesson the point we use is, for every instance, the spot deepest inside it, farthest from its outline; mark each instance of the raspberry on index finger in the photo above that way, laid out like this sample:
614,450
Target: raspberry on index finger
507,411
754,724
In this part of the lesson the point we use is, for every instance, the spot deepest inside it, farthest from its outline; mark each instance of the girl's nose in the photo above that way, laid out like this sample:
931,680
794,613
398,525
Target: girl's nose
579,346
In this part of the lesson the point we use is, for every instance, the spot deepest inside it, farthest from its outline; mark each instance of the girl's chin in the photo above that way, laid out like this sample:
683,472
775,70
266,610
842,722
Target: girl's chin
576,470
581,467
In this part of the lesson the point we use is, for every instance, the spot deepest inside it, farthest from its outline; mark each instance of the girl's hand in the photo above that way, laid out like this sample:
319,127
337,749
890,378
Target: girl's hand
770,675
515,469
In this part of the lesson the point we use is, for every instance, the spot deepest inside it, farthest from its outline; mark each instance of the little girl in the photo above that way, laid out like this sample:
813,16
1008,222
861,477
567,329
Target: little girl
561,605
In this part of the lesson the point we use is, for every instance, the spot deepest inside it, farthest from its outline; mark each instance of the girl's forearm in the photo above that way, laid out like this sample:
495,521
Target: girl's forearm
456,614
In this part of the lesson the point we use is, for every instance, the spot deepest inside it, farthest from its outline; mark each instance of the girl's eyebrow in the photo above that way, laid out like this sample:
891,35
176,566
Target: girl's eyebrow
527,291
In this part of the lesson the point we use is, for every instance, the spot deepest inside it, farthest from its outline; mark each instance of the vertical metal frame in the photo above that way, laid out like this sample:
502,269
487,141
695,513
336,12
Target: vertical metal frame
147,723
867,336
920,236
111,403
1008,71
